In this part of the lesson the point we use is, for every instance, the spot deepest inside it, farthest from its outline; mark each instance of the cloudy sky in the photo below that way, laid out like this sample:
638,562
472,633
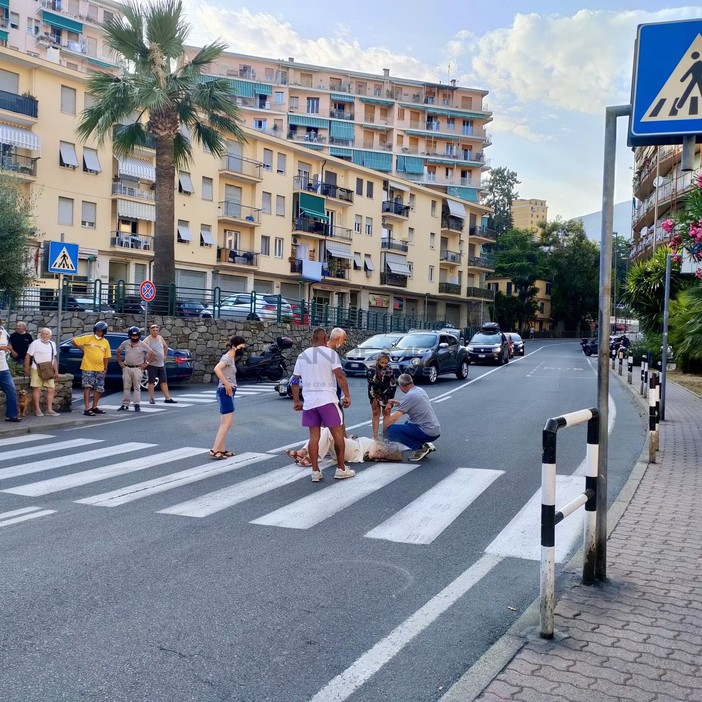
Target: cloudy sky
550,67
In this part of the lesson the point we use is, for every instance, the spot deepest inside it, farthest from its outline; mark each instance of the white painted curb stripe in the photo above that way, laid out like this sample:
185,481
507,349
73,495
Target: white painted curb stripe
66,482
313,509
169,482
26,517
16,512
49,448
421,521
24,439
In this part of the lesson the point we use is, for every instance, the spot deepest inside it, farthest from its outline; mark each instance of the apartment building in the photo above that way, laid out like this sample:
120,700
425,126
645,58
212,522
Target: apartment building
274,215
429,133
659,186
542,319
528,214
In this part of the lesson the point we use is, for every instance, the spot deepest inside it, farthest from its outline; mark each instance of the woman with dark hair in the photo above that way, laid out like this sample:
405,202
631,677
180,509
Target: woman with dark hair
381,388
225,371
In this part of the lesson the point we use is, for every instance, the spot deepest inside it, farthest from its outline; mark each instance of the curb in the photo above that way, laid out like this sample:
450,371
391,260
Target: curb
472,683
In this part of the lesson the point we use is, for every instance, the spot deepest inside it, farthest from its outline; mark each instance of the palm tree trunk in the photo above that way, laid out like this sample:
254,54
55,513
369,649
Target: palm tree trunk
164,229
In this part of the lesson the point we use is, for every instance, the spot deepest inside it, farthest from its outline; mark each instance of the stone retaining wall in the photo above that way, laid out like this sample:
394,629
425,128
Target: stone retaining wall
62,397
206,339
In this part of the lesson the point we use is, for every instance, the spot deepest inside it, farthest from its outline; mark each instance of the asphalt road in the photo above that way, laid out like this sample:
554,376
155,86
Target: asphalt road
141,577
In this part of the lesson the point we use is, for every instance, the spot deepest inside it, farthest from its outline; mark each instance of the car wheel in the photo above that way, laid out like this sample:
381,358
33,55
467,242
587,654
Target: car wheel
145,380
501,360
507,357
462,372
588,351
433,374
275,374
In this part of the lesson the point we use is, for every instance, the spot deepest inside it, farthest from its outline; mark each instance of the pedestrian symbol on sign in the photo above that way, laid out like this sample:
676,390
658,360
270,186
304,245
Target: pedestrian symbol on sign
680,98
63,262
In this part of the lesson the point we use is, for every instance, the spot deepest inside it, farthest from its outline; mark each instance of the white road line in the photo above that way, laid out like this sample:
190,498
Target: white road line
146,409
239,492
443,399
169,482
345,684
48,448
66,482
16,512
521,538
313,509
25,438
60,462
33,515
421,521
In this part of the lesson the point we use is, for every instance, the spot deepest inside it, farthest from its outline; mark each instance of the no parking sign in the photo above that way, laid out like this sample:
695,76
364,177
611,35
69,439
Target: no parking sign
147,290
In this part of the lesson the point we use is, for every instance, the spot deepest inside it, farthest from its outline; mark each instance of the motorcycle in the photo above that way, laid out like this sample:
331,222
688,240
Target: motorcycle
270,365
589,346
284,388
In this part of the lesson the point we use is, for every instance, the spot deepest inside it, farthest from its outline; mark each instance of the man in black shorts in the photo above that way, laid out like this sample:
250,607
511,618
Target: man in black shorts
157,367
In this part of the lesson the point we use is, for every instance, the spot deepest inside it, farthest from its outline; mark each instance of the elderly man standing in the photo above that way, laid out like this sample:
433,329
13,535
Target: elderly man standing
19,342
422,426
318,368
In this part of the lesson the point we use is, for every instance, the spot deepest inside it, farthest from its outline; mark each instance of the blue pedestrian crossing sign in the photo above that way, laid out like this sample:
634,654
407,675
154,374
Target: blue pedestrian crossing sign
666,89
62,258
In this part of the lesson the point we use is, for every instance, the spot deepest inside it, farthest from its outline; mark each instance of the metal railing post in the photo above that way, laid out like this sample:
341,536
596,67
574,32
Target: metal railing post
548,528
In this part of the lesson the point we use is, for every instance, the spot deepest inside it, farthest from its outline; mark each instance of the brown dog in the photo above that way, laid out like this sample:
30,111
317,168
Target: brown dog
23,402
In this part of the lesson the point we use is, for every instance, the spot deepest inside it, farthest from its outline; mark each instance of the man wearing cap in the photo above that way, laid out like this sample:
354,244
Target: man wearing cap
96,355
157,367
136,358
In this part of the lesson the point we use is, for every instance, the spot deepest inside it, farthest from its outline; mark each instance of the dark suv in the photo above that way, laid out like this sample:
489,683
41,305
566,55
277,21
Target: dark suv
428,354
489,345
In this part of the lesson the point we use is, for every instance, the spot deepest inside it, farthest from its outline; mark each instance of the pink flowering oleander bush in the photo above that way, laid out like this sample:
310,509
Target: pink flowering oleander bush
686,227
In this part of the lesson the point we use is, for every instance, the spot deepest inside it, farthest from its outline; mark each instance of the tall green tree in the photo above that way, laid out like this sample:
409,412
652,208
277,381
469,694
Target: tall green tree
153,98
686,328
17,238
500,193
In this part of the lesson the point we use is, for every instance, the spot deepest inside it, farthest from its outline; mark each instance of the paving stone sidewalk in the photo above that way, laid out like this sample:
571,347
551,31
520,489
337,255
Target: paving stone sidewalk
638,636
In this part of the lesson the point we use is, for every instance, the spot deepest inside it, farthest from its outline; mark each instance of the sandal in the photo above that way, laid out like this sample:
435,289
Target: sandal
227,454
217,455
304,462
89,413
98,411
292,454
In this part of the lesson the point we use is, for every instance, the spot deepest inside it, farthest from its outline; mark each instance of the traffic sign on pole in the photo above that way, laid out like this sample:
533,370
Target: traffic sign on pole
147,290
666,89
62,257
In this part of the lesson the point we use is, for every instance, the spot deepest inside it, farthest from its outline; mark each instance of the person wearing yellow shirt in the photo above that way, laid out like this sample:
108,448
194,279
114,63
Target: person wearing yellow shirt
96,355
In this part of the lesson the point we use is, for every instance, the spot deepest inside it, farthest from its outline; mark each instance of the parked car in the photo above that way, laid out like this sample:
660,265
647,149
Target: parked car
192,308
296,308
362,357
179,363
489,345
80,304
239,307
518,343
428,354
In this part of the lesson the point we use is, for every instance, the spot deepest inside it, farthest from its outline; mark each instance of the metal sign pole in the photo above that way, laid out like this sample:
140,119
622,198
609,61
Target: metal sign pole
664,349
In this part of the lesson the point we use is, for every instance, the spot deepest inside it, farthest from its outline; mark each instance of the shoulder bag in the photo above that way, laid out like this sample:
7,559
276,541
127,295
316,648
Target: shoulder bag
46,369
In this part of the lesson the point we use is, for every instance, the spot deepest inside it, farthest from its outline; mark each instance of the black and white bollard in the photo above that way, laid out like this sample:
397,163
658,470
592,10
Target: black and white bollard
652,418
630,370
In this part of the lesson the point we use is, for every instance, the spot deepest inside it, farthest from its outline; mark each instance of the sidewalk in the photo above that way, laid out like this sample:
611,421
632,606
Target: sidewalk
638,636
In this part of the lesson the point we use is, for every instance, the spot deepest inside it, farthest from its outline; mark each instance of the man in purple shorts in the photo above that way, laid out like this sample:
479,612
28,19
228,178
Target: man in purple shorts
318,368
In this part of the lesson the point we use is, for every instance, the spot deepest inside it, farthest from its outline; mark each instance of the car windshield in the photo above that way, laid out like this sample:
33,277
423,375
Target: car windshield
416,341
516,337
378,342
486,339
236,300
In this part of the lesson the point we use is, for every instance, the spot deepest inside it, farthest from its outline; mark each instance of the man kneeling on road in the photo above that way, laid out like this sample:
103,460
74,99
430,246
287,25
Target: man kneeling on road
422,426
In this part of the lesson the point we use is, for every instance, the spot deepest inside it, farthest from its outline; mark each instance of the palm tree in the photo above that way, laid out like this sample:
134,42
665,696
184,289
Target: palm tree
158,100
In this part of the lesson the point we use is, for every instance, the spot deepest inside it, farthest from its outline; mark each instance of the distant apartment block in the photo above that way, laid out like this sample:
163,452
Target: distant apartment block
528,214
542,319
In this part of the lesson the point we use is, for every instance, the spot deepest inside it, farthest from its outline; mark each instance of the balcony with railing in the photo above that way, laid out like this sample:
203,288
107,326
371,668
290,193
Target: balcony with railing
394,279
394,208
483,233
344,195
124,240
241,167
310,225
341,114
239,257
309,138
124,190
451,288
336,268
454,224
389,244
245,214
481,262
20,104
431,177
480,293
446,256
18,165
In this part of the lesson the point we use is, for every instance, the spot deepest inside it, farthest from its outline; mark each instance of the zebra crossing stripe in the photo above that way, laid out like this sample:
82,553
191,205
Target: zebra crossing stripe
22,515
313,509
169,482
421,521
66,482
240,492
60,462
25,438
144,408
49,448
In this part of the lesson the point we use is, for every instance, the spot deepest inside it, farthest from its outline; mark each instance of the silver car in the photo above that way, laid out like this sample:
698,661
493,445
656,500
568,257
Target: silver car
239,307
361,358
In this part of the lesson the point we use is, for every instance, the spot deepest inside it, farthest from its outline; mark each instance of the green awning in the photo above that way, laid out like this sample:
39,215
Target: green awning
335,97
410,164
413,106
5,3
312,206
376,101
262,89
97,62
379,127
470,194
372,159
340,152
312,145
431,133
4,35
61,22
306,121
444,161
341,130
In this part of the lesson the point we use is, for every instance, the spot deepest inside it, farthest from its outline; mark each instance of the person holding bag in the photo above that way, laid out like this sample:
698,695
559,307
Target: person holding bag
41,364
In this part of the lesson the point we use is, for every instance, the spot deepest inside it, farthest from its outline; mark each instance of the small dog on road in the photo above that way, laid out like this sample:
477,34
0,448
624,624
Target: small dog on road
23,402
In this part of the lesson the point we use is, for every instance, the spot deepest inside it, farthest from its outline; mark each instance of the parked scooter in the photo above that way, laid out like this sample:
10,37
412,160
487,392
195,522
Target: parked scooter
589,346
284,388
270,365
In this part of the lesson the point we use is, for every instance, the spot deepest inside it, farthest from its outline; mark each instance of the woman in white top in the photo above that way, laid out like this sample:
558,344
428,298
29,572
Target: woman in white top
42,350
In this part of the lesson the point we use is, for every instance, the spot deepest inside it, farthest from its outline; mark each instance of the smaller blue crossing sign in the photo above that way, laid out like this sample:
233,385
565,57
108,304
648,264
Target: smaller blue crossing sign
666,89
147,290
62,258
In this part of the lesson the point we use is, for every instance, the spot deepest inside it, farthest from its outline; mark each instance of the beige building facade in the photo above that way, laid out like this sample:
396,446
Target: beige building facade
528,214
542,319
275,215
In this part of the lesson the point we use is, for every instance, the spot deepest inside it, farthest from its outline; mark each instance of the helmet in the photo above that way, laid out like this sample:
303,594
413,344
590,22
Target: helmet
134,331
100,326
